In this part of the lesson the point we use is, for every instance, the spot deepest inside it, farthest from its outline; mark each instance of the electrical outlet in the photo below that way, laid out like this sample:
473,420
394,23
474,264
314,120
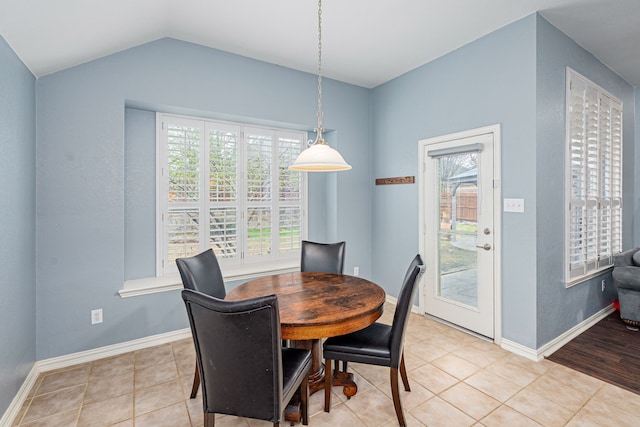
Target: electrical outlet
96,316
356,271
603,284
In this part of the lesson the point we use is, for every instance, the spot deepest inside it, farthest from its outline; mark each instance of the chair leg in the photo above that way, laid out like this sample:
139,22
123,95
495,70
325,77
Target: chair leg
304,400
209,419
328,383
395,393
344,366
403,374
196,382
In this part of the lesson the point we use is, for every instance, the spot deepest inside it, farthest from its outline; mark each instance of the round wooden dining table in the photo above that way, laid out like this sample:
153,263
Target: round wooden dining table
313,306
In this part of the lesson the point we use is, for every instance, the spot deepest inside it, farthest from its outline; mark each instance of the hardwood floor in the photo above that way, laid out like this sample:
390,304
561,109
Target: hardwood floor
608,351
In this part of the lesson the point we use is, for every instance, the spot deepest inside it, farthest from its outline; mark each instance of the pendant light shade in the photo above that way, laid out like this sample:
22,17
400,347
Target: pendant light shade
319,157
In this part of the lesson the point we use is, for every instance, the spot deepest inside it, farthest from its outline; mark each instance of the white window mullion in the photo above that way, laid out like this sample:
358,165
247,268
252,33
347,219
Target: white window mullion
204,190
242,200
275,196
161,195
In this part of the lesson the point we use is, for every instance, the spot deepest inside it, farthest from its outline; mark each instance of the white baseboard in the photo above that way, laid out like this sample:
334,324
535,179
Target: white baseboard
555,344
552,346
394,301
19,399
84,357
110,350
121,348
520,349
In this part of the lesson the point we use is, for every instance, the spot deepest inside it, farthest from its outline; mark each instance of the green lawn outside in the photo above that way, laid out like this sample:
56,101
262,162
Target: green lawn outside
453,257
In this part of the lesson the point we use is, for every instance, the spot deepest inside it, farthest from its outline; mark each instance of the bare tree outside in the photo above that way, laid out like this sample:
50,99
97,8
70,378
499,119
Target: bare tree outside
458,211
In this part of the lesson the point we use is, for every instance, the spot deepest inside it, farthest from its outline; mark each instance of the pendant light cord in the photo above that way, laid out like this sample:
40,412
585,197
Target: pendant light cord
319,156
320,114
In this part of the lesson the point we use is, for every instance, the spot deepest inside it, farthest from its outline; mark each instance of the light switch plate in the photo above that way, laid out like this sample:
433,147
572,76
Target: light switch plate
514,205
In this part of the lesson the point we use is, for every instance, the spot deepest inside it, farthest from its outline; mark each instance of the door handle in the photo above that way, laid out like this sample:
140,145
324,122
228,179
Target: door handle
486,247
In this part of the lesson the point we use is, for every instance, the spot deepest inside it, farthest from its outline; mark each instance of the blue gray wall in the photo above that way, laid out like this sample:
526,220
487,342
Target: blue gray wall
491,80
514,77
559,309
92,177
636,173
17,228
95,176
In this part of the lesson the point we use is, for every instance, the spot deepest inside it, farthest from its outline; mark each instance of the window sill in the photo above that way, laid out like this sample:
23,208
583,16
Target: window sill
171,282
150,285
585,277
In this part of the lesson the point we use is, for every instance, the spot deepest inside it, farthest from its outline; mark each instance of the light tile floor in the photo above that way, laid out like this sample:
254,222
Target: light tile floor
456,380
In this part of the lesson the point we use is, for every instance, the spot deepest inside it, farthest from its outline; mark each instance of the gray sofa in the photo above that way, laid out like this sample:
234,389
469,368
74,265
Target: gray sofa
626,277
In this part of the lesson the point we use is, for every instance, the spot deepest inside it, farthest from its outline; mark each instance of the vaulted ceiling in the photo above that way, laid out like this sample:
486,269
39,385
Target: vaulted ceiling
364,42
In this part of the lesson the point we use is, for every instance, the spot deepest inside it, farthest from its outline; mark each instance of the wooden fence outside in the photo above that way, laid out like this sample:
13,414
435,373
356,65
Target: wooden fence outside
466,206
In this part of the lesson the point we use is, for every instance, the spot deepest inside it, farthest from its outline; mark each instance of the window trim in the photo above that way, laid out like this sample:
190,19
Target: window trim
593,267
249,270
172,281
247,266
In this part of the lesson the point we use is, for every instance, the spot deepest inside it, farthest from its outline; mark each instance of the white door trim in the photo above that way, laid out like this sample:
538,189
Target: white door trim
497,214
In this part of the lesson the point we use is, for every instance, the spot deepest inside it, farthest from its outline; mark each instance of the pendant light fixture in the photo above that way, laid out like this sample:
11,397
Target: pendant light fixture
319,156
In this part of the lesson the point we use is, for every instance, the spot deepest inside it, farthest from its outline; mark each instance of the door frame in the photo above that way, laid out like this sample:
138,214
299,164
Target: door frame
495,130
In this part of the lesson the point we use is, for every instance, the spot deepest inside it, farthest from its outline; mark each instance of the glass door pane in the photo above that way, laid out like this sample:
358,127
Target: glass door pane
458,208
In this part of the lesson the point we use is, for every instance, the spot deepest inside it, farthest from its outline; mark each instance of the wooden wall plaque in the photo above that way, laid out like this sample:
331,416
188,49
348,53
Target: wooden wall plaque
396,180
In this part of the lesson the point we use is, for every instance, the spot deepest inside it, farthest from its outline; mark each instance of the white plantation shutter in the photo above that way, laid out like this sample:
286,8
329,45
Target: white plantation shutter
290,195
183,173
594,187
226,186
616,178
224,214
259,210
274,193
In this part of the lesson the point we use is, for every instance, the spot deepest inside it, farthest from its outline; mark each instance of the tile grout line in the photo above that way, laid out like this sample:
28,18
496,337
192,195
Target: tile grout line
495,368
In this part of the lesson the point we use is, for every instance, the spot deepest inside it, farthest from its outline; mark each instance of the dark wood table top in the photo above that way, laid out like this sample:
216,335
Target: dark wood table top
318,305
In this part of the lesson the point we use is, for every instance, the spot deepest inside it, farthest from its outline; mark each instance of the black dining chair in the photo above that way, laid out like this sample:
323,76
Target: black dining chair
201,273
417,260
378,344
245,371
322,257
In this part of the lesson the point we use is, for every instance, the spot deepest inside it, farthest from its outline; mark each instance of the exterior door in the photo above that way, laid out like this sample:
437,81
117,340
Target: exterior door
458,235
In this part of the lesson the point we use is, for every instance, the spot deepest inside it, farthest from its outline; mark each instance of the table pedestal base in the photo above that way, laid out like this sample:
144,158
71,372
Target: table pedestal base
316,373
345,380
292,413
316,379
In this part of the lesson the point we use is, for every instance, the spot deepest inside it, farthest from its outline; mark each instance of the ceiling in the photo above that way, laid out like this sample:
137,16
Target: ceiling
364,42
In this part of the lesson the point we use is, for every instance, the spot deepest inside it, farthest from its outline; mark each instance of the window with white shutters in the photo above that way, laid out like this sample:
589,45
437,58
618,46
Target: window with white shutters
226,186
594,178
